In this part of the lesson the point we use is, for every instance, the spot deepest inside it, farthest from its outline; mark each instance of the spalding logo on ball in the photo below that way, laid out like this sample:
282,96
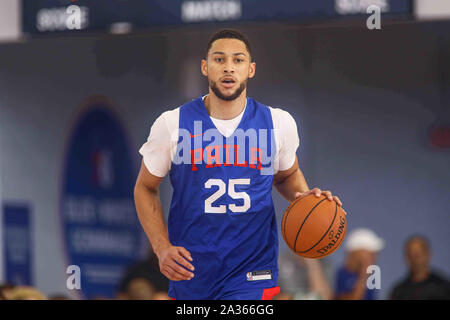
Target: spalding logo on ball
314,227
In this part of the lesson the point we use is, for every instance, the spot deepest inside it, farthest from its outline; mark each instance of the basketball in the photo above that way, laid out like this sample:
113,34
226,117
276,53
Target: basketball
313,227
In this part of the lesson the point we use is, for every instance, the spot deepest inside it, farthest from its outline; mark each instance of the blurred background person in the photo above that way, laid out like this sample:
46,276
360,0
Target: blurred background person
304,279
421,282
148,269
362,246
160,295
318,284
139,289
283,296
58,296
26,293
5,291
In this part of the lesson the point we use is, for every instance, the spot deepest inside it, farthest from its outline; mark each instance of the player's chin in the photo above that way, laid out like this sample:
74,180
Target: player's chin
229,94
228,91
229,97
234,91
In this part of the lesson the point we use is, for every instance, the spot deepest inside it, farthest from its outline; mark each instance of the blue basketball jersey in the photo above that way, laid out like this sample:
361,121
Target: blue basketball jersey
222,210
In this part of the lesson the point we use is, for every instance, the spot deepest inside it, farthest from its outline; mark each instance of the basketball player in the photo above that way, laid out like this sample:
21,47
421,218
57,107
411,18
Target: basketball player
221,241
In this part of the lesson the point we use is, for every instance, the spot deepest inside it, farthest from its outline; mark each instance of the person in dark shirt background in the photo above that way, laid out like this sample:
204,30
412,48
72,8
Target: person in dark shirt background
421,283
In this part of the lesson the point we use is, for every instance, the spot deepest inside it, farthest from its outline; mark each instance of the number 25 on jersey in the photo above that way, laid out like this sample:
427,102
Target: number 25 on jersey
210,208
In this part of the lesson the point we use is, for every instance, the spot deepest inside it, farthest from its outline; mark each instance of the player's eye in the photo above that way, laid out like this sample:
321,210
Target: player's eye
219,59
239,60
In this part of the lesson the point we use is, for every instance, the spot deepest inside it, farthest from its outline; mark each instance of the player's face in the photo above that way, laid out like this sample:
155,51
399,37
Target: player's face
228,68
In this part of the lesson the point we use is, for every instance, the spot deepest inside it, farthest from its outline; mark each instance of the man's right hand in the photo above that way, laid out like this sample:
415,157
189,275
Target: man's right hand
171,260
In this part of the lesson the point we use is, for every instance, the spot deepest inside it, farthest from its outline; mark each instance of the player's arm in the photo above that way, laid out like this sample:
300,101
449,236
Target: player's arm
291,184
149,209
290,181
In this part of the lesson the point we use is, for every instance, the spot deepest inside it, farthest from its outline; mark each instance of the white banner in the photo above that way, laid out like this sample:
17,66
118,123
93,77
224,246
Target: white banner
10,21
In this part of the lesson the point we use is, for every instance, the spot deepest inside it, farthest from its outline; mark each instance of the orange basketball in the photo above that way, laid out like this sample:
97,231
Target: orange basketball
314,227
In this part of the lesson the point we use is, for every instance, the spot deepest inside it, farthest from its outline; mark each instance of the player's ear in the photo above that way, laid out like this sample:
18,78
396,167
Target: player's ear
204,67
252,70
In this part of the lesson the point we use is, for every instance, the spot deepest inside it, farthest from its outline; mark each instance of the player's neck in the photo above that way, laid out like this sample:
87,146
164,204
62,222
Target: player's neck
225,110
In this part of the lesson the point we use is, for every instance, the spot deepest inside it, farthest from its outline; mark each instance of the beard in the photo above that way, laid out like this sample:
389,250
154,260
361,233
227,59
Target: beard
232,96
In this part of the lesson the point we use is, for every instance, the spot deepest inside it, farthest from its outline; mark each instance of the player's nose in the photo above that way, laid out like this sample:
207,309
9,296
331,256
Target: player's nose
228,68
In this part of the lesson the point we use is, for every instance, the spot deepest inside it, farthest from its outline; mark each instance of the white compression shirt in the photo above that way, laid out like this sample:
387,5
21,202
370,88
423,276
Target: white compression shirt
160,148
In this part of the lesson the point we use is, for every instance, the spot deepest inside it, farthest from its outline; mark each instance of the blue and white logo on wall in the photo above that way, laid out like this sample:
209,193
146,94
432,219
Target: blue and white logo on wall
101,228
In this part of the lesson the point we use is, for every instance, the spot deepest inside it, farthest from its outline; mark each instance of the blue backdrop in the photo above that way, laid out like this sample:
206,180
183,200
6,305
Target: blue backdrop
100,223
17,244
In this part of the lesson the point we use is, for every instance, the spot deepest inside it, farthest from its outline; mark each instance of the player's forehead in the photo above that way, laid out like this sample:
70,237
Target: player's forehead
228,47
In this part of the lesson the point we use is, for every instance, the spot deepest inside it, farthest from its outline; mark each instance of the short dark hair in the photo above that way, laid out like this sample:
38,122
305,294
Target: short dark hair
418,237
229,34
